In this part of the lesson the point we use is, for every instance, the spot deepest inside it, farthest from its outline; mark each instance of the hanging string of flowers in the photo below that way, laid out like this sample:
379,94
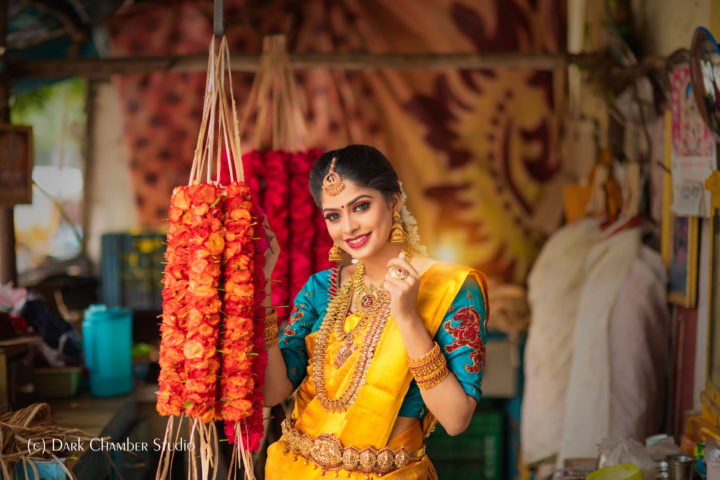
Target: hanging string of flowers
204,304
255,424
238,306
173,328
302,231
276,204
213,288
252,166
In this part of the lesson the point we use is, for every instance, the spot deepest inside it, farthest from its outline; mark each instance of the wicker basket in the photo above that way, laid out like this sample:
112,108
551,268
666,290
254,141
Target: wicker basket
57,382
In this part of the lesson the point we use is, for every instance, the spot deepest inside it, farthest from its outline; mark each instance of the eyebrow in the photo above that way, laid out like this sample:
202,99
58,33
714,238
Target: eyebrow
350,202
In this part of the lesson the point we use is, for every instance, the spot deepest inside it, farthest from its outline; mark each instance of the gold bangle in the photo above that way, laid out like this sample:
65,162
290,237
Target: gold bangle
272,334
272,338
429,369
271,318
423,361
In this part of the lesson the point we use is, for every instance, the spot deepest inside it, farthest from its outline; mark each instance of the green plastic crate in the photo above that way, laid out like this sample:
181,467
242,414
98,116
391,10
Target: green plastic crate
477,453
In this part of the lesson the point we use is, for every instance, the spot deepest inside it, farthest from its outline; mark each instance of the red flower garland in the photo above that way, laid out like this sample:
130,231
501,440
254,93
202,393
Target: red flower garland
255,424
302,227
276,204
207,243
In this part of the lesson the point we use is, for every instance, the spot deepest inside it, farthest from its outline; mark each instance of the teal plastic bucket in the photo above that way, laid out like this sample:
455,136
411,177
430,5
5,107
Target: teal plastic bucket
107,341
46,469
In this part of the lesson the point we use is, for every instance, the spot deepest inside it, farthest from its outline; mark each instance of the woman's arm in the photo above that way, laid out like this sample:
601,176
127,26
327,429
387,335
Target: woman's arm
447,400
277,385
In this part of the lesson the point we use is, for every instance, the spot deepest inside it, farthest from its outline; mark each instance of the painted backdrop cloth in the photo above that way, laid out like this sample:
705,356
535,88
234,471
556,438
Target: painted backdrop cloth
368,422
554,287
475,148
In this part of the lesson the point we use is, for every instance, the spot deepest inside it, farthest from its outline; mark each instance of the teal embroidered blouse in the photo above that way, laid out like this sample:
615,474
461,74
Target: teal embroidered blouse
462,336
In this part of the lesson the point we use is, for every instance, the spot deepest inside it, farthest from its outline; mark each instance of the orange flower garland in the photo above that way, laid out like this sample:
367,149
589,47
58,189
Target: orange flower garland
238,305
207,242
173,328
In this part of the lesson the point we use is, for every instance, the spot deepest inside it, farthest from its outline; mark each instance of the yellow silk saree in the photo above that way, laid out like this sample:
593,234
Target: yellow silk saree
356,443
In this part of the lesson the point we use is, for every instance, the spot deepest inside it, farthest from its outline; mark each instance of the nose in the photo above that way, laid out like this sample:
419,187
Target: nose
349,224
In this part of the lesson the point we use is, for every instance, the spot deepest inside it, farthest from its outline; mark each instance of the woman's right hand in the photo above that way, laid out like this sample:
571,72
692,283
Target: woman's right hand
272,253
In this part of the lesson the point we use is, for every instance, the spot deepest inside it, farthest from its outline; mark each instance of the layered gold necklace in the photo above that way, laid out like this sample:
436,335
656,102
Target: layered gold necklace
375,313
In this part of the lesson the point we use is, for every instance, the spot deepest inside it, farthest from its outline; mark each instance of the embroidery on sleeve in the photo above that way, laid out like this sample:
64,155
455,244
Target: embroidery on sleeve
467,332
295,316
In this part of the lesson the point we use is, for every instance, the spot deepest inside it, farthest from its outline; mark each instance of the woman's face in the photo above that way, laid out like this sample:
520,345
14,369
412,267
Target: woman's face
359,219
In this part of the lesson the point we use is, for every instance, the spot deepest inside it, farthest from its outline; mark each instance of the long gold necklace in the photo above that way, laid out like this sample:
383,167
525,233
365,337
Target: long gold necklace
337,310
360,290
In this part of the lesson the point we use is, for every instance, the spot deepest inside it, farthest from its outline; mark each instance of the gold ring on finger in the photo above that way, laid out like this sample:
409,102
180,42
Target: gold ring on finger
400,273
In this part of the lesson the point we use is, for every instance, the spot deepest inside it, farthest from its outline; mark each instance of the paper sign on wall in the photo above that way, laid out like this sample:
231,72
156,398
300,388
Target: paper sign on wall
693,150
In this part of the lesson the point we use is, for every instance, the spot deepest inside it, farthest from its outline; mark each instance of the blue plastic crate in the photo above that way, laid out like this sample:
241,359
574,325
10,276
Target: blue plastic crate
131,270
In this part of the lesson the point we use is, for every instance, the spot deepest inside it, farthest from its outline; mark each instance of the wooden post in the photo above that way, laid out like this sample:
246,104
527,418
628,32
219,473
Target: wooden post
88,158
8,266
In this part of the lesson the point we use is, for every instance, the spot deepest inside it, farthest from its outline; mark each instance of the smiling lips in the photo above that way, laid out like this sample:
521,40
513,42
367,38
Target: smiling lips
359,241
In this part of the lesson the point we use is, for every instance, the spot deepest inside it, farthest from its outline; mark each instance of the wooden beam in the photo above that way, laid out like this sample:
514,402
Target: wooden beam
105,67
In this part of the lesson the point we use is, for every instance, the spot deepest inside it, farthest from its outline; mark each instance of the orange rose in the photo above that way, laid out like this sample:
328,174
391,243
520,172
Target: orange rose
239,214
215,244
201,209
206,330
180,198
192,349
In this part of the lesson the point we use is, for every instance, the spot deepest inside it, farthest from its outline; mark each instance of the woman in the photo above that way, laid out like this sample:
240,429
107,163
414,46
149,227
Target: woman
378,350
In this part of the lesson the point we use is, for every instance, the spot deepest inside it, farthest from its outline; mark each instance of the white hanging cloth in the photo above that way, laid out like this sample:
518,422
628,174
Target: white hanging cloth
587,409
554,287
639,333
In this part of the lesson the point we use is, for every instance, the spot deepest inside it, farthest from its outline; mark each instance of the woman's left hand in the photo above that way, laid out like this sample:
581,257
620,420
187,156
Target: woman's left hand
403,292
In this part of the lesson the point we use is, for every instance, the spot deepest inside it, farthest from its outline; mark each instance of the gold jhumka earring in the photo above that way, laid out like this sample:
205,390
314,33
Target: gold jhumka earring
335,254
398,234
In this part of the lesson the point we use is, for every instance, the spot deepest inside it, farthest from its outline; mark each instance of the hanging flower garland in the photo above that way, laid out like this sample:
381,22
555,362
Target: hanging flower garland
207,242
237,348
276,203
255,424
173,328
302,231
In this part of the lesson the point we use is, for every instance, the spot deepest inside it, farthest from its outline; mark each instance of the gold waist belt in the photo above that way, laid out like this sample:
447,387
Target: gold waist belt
330,454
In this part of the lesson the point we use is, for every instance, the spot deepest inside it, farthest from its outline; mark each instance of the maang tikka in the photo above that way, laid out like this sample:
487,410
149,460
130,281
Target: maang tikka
332,183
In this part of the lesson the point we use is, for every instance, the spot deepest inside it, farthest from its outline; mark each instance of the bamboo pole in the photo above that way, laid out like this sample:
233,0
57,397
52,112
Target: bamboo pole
105,67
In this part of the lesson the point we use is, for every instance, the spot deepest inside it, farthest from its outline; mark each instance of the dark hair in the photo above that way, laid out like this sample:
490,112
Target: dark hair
362,164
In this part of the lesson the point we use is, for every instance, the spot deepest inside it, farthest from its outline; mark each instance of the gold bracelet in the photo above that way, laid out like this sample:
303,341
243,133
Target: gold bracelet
272,335
271,318
429,369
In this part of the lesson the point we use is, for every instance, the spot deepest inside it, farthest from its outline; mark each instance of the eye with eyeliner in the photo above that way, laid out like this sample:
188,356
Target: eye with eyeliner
362,206
359,207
